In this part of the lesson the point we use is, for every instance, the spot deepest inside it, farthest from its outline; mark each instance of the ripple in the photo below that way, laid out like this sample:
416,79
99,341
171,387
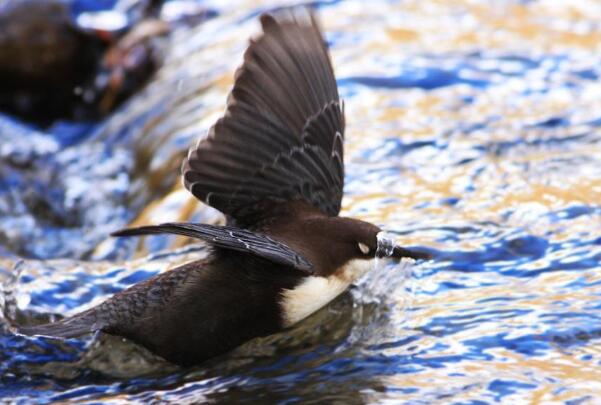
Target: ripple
473,133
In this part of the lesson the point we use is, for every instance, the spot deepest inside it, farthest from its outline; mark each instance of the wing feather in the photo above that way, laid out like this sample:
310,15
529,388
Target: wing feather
228,237
281,138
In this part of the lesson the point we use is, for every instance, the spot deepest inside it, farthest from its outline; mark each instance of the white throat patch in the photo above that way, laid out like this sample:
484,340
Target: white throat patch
315,292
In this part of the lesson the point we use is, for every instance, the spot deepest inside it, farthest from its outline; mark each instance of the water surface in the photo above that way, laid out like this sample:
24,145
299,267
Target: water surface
473,129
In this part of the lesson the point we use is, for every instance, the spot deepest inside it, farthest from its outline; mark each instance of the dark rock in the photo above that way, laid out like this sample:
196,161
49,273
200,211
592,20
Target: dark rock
42,59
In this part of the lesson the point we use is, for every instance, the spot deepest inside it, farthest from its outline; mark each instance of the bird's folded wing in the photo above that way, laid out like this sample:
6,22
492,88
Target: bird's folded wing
281,138
227,237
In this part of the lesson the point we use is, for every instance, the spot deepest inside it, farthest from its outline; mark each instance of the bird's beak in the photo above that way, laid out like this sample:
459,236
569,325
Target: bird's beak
400,252
387,248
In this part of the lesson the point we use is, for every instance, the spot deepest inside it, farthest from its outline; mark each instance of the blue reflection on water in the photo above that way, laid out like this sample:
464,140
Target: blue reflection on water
501,290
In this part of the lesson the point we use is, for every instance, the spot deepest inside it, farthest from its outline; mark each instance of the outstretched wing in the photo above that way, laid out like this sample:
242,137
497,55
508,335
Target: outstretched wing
228,237
281,138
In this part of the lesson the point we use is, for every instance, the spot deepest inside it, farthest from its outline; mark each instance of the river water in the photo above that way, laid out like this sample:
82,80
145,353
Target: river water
473,129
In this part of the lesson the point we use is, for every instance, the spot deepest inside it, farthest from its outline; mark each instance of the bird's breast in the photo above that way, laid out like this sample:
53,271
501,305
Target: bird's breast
314,292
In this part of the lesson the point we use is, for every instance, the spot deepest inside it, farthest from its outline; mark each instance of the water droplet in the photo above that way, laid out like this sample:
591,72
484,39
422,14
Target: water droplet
385,245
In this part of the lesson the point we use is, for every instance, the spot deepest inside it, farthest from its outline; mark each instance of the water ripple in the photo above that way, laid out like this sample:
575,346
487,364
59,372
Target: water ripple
473,133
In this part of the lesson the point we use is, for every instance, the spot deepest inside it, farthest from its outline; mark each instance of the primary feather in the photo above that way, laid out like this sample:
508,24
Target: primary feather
281,138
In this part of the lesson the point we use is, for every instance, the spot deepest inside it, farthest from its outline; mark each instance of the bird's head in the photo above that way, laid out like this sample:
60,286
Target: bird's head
343,241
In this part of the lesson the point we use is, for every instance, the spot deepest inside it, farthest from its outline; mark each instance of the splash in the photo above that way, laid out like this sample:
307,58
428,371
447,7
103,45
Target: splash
389,281
385,246
381,299
8,296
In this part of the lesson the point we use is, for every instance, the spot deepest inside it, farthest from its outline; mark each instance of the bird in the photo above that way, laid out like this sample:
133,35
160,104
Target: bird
273,164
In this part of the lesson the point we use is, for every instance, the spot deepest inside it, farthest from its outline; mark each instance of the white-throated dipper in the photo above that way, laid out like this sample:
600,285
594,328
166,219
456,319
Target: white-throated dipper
273,164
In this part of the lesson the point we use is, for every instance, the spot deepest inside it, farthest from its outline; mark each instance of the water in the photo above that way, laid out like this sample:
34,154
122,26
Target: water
473,130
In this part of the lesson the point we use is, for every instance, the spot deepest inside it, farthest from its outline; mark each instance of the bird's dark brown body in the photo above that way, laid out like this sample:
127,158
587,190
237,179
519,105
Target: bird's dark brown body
273,164
201,310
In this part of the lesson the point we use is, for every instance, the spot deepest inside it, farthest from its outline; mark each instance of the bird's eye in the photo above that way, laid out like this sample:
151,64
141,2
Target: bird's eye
363,248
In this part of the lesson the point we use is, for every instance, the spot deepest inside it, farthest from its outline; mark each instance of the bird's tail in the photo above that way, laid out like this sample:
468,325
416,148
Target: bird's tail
65,328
